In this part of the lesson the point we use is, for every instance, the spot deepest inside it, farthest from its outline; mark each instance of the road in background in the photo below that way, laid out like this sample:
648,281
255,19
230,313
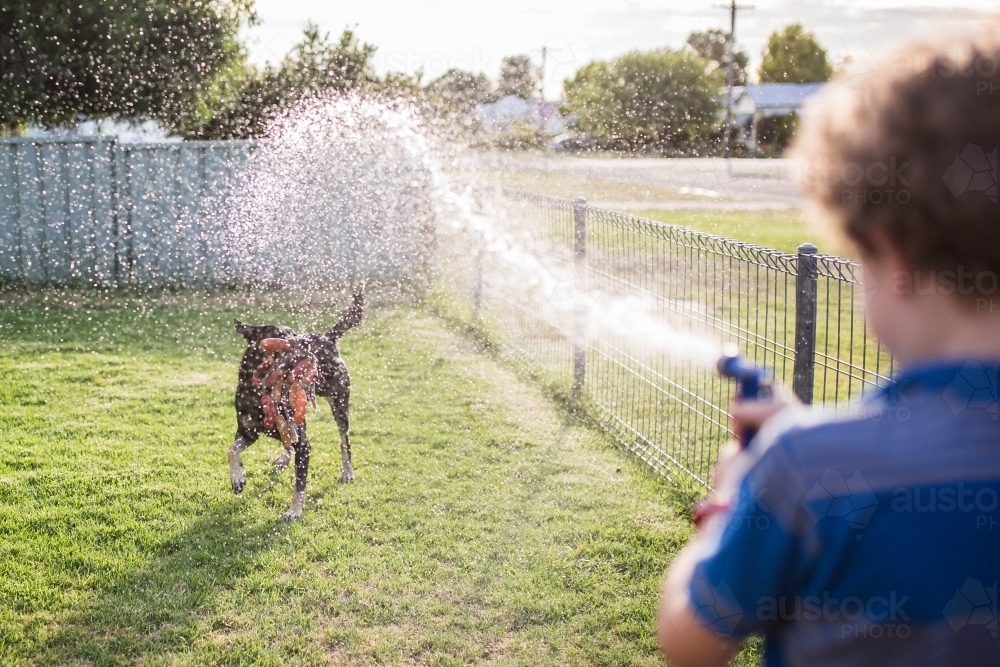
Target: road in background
700,183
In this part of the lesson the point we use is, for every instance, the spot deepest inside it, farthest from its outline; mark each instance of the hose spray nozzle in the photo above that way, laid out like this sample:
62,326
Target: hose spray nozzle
752,382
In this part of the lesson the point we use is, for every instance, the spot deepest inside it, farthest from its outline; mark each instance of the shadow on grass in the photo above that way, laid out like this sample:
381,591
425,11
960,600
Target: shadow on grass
165,606
678,490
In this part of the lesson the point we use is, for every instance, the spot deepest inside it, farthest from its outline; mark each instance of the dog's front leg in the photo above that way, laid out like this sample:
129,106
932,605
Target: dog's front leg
302,451
236,476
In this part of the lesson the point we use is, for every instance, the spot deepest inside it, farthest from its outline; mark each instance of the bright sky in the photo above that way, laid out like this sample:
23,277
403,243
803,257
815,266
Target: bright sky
435,35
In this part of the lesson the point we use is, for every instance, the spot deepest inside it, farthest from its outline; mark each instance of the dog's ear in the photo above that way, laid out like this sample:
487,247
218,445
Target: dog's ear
244,330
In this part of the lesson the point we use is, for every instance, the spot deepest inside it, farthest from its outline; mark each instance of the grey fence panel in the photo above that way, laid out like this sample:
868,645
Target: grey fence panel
145,216
56,210
191,237
96,211
101,174
79,230
231,163
10,256
33,214
164,214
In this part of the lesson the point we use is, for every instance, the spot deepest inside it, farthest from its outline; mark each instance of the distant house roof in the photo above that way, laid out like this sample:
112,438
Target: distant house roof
772,95
498,117
770,99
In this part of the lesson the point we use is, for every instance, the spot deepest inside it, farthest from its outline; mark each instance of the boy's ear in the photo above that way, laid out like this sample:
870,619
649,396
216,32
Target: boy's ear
243,329
887,253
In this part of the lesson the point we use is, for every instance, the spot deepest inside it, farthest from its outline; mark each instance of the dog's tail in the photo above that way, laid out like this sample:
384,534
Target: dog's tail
352,318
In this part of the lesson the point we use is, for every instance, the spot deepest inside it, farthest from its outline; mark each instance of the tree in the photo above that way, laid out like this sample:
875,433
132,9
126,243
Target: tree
129,59
517,77
794,56
459,90
316,66
711,45
657,99
775,134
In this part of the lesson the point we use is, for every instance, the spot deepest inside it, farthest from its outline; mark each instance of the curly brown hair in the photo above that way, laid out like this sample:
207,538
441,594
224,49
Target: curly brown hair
910,153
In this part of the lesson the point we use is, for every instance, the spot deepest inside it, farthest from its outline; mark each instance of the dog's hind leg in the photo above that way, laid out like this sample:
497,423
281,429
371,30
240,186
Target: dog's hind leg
283,460
302,451
338,404
236,476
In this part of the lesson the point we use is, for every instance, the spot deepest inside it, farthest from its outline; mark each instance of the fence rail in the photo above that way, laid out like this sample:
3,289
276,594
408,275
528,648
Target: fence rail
798,315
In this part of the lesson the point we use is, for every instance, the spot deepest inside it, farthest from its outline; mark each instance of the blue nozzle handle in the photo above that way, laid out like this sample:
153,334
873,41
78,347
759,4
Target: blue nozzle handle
751,384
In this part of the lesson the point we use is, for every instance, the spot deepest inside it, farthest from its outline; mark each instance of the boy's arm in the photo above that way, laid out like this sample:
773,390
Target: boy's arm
684,640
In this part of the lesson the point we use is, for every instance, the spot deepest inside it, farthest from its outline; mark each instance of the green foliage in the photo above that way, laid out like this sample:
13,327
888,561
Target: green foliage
775,134
711,45
131,59
316,66
794,56
517,77
646,100
780,230
521,136
459,90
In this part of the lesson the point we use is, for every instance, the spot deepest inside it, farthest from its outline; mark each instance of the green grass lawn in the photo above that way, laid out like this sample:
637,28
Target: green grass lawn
484,526
781,230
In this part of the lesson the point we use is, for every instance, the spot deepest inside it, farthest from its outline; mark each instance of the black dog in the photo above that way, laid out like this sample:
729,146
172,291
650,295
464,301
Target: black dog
333,383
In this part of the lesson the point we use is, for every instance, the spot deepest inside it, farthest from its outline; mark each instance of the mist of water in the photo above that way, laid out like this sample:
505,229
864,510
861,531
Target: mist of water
526,268
351,189
339,192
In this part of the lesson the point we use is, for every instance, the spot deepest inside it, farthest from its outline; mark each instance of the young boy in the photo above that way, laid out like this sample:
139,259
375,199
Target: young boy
874,539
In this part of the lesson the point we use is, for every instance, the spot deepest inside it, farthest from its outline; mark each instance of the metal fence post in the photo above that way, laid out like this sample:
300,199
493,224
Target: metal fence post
804,369
579,312
477,286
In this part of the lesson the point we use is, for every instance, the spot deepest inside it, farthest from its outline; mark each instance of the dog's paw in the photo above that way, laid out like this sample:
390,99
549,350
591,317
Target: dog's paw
238,482
346,477
293,514
281,463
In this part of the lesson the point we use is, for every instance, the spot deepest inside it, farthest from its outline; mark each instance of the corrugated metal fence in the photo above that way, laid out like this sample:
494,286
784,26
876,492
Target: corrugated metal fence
95,211
205,214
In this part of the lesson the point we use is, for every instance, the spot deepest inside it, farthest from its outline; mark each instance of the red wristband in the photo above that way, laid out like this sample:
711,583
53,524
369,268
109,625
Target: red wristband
707,508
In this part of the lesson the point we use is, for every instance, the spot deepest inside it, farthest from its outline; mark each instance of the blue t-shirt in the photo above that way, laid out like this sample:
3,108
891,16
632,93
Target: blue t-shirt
868,539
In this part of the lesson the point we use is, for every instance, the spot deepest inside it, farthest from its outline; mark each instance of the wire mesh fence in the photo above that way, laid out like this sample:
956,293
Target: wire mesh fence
797,315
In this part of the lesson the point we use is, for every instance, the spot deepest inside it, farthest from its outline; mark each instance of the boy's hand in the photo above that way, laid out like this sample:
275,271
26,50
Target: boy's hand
753,414
746,415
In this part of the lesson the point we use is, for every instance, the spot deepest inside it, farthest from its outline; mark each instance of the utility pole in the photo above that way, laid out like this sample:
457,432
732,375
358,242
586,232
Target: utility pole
541,74
541,71
730,71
